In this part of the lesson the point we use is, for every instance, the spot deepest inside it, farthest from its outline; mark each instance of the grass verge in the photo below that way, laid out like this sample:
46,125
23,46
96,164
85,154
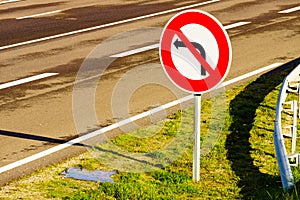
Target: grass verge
241,165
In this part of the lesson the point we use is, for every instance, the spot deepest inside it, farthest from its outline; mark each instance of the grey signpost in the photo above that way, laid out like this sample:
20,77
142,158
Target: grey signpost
196,150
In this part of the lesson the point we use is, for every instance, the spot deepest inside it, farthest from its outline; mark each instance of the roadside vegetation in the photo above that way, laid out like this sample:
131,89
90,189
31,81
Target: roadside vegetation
241,165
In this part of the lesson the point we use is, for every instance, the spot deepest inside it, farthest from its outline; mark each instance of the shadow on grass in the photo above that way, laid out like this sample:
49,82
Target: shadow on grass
253,183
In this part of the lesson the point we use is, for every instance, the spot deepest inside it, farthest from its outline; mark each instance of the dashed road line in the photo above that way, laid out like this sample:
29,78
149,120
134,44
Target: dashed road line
237,24
290,10
8,1
135,51
40,14
106,25
26,80
154,46
124,122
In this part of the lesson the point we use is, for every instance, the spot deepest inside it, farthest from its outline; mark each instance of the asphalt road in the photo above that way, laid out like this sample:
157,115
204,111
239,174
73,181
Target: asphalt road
42,37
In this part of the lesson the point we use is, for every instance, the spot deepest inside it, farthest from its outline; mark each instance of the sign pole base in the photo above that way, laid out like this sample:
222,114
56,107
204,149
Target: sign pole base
196,151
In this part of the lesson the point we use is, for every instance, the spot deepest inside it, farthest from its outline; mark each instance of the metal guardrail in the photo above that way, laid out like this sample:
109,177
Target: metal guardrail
285,160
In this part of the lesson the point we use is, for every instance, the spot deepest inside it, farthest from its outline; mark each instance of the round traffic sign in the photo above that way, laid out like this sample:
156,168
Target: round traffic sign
195,51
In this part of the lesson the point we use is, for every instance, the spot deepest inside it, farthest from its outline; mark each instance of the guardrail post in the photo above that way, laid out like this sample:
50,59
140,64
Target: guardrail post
294,129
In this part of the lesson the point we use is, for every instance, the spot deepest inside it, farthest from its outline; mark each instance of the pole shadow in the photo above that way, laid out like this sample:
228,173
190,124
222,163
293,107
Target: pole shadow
36,137
253,183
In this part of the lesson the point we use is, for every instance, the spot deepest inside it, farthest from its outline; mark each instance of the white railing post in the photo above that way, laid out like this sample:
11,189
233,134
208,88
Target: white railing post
294,128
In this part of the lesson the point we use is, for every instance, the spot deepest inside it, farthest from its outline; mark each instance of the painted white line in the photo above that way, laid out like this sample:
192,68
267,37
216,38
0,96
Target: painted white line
237,24
289,10
154,46
40,14
8,1
26,80
105,25
122,123
258,71
135,51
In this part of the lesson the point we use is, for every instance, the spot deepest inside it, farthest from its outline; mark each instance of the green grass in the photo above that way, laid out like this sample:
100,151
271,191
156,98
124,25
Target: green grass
241,164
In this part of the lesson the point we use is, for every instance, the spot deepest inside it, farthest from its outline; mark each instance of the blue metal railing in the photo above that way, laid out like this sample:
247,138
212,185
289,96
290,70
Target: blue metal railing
281,152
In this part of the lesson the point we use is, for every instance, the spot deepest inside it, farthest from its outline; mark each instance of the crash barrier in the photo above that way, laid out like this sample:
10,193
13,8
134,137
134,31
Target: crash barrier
285,131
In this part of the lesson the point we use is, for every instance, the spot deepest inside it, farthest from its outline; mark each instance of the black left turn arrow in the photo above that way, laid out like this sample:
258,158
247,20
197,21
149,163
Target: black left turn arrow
198,46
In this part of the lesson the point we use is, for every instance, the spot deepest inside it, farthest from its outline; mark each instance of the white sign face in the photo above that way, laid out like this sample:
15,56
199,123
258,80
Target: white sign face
184,61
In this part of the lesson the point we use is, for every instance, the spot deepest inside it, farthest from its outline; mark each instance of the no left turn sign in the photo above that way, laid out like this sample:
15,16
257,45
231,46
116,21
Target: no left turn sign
195,51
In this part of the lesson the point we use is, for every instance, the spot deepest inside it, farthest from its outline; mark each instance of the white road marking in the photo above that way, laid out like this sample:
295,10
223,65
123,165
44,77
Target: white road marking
135,51
123,122
26,80
289,10
154,46
40,14
250,74
237,24
8,1
105,25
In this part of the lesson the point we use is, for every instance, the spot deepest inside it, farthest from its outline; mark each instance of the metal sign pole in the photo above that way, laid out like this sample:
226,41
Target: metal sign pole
196,151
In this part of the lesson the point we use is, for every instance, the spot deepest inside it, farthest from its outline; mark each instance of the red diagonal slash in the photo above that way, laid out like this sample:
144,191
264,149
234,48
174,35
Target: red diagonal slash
195,53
